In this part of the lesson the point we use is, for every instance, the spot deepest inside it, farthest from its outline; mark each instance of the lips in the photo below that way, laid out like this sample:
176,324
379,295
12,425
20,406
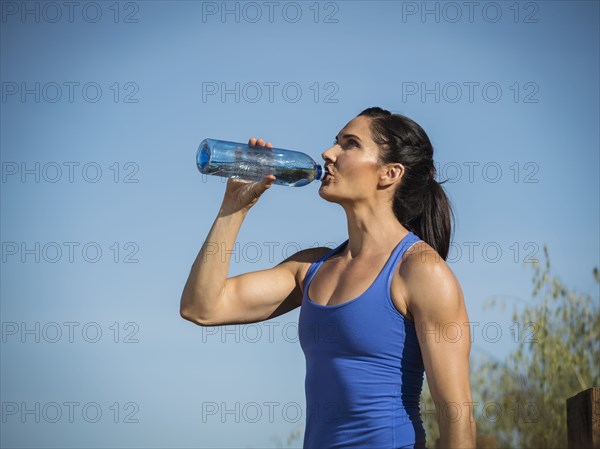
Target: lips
327,179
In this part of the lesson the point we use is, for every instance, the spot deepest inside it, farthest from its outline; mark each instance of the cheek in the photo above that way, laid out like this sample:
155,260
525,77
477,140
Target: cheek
359,171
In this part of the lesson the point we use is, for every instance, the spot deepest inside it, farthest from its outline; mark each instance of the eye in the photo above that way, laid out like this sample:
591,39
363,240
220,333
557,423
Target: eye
349,143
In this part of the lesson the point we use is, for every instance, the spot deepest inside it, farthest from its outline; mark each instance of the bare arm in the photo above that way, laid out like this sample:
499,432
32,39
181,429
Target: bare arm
436,301
210,298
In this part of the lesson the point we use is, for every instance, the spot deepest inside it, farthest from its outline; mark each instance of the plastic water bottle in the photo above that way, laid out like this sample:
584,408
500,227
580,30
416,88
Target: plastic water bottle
253,163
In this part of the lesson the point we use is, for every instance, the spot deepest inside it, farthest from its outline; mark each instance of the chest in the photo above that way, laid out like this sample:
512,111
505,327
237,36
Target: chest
337,282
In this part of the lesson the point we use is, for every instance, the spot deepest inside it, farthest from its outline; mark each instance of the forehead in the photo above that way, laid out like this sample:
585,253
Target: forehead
359,126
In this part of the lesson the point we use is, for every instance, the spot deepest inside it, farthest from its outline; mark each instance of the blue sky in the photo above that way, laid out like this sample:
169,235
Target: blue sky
112,100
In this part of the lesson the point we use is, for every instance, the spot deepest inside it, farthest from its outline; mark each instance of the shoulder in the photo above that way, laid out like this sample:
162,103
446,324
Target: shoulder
429,283
299,262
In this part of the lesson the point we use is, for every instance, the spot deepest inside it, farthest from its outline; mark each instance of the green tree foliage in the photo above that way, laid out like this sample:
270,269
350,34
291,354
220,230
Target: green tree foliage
556,357
293,438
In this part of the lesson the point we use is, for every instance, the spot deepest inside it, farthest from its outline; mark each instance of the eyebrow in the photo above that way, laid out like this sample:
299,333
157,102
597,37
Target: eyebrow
345,136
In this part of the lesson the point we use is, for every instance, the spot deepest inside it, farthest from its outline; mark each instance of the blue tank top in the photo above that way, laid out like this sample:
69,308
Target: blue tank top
364,369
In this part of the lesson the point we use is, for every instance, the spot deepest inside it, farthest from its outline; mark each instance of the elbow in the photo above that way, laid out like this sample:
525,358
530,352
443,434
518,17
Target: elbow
198,309
187,312
191,317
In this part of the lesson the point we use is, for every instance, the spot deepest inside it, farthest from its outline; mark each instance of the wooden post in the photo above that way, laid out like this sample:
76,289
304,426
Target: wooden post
583,419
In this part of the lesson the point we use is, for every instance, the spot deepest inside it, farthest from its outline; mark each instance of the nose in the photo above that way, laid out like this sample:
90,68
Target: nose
329,155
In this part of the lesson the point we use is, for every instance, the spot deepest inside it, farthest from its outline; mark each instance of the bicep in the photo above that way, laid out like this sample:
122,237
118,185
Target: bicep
261,295
265,294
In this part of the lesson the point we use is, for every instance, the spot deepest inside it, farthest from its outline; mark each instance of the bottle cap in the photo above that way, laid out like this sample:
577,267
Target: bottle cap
321,172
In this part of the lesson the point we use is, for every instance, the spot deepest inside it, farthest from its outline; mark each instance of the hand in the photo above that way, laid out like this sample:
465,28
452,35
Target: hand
241,194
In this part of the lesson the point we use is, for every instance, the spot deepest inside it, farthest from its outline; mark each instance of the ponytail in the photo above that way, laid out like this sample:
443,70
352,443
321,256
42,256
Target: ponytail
434,224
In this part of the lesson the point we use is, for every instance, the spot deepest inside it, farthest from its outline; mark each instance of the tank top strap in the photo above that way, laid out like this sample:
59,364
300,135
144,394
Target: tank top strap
409,240
310,273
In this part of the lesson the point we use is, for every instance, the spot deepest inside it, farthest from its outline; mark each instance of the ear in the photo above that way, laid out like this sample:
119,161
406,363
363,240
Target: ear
390,174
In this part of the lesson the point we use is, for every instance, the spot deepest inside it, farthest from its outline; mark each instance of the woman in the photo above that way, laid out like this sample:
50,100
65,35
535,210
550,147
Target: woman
377,311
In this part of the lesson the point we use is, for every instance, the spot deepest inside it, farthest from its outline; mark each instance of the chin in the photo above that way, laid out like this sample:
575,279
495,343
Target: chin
327,195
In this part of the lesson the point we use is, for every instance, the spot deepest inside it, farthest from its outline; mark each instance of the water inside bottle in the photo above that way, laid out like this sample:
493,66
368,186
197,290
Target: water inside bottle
256,171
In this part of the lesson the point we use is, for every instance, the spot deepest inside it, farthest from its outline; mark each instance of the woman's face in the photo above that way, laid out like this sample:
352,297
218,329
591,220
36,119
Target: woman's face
353,164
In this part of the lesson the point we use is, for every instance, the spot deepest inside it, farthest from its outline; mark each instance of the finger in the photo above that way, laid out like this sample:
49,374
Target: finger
260,187
269,145
260,142
252,141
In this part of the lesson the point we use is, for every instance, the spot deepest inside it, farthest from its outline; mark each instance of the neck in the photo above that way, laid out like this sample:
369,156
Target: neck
372,228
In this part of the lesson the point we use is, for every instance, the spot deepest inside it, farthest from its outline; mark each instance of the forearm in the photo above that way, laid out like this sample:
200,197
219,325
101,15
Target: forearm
206,282
458,433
